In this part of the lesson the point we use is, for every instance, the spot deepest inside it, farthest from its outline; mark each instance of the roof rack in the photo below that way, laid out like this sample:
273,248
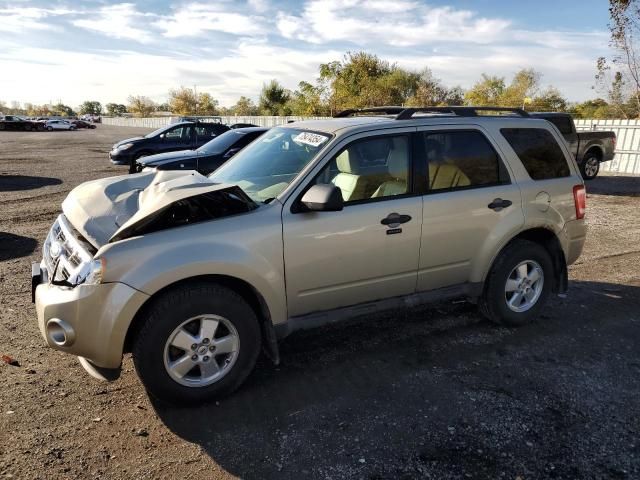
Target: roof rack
406,113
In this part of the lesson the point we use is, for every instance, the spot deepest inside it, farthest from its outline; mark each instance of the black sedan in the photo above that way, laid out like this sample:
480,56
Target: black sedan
207,158
178,136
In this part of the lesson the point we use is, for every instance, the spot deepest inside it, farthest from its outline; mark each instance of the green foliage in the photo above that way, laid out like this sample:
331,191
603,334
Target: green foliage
274,99
62,110
116,109
90,107
244,107
185,101
141,106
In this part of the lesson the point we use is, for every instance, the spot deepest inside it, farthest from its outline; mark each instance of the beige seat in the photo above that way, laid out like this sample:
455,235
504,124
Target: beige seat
445,175
348,181
397,163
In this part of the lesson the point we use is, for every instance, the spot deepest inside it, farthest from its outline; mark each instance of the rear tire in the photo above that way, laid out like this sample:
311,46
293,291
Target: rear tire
518,284
50,129
186,316
590,166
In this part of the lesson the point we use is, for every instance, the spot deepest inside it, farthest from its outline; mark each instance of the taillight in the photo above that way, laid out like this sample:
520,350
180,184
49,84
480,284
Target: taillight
580,199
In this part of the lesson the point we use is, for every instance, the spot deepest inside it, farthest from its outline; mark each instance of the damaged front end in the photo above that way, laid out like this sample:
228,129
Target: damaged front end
200,207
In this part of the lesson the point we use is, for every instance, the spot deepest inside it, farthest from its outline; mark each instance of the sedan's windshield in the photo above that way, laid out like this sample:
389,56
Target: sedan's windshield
157,132
221,143
266,167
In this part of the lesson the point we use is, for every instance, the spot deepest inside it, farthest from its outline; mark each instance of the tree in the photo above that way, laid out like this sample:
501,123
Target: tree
90,107
624,85
244,107
115,109
488,91
273,99
141,106
307,100
525,84
185,101
62,110
598,108
207,105
550,100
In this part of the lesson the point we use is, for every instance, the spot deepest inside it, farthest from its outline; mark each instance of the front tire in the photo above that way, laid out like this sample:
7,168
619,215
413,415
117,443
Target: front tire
590,166
518,285
50,129
199,342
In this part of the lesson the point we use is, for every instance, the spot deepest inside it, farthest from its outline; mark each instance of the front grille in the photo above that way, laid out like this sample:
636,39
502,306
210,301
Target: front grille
65,252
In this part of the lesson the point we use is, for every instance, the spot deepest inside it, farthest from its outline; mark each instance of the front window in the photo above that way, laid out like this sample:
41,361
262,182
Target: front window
267,166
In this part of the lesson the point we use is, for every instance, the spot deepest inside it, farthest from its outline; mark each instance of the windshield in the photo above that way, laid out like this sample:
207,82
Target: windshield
221,143
159,131
265,167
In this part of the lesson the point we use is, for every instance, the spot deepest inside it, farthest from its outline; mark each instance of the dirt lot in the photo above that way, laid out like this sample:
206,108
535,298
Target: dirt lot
432,393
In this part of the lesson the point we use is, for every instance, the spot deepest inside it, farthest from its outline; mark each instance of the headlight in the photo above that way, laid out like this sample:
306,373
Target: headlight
91,272
125,146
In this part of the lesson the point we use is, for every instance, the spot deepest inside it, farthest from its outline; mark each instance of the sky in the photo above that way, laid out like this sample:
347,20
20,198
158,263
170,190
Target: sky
104,50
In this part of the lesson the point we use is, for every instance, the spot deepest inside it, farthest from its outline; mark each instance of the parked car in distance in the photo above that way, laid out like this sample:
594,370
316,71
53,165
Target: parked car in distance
15,122
83,124
241,125
311,223
51,125
589,148
177,136
208,157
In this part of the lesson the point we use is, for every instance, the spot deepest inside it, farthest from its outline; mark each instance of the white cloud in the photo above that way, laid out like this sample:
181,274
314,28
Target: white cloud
196,19
118,21
260,6
17,20
401,23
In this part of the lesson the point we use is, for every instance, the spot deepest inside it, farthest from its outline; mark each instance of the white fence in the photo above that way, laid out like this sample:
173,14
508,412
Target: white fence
627,159
157,122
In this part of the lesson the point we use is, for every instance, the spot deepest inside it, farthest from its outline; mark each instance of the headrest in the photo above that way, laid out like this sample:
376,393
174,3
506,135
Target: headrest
398,159
347,161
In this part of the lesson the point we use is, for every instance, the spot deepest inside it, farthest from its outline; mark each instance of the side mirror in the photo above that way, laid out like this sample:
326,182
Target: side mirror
323,198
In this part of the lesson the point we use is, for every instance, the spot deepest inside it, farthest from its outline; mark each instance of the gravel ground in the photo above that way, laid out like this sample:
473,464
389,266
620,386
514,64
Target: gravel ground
433,392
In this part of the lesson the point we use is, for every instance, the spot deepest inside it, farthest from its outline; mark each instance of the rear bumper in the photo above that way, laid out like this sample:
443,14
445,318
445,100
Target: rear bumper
89,321
573,237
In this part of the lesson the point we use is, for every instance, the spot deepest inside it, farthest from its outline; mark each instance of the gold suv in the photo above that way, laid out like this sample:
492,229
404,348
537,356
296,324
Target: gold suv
313,222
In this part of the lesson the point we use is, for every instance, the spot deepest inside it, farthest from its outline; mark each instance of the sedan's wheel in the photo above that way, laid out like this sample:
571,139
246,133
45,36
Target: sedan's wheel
198,342
50,129
590,167
518,284
201,350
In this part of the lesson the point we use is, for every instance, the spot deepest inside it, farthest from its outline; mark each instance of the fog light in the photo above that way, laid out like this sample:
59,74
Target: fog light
60,332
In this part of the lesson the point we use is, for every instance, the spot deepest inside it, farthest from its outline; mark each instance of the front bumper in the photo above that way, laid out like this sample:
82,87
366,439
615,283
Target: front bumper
120,158
89,321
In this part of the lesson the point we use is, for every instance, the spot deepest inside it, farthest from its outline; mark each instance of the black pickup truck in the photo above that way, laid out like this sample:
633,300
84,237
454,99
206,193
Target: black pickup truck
14,122
589,148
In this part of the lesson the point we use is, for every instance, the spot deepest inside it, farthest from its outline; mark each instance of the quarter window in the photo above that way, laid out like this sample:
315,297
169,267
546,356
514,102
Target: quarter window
369,169
539,152
461,159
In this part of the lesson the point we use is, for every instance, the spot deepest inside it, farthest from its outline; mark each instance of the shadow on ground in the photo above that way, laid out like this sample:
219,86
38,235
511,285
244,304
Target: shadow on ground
438,392
14,183
615,185
15,246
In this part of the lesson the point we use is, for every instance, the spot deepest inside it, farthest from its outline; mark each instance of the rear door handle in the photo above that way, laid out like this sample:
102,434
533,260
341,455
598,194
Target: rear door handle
498,204
394,219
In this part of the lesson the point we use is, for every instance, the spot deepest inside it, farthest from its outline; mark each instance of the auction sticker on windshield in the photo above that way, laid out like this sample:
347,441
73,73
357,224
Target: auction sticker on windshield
312,139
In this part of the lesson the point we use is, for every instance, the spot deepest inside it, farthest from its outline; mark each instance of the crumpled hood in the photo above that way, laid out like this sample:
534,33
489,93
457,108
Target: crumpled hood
100,209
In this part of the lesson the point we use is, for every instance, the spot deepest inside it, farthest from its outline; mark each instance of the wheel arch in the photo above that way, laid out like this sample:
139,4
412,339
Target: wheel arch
596,149
549,240
249,293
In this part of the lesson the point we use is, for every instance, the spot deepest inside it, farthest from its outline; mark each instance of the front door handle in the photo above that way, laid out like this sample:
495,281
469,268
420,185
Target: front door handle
393,220
498,204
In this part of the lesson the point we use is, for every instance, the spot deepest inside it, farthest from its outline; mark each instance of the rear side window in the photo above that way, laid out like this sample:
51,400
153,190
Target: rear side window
539,152
562,123
461,159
